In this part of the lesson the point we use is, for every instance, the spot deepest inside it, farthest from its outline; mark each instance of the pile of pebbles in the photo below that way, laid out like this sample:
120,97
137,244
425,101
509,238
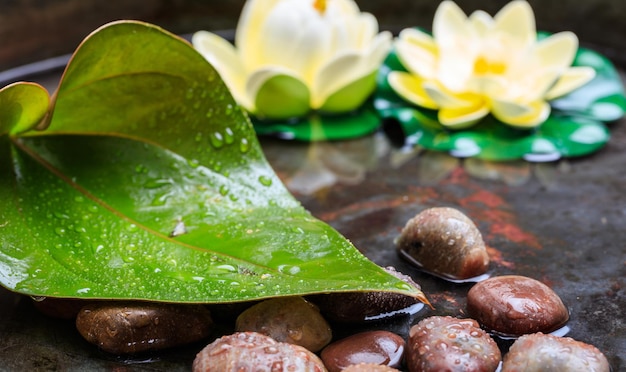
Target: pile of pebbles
294,333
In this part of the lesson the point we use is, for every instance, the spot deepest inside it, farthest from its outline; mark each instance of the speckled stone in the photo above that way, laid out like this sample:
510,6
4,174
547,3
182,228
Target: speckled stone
445,242
287,319
444,343
540,352
252,351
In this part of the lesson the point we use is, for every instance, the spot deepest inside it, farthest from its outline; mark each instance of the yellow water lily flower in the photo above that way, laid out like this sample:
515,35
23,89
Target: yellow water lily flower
476,65
293,56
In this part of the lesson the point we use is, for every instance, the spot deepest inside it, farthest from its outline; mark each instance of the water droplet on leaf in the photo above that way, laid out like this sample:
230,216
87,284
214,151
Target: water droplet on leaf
217,140
265,181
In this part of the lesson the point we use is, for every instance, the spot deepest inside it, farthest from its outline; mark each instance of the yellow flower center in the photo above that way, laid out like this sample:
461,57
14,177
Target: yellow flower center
320,5
482,66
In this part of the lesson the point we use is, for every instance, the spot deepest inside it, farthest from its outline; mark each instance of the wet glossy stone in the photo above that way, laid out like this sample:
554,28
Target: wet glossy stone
374,347
441,343
125,328
252,351
444,242
60,308
540,352
516,305
359,307
287,319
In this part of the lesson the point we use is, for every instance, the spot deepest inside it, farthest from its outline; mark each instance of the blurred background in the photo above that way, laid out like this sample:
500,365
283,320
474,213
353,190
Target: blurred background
33,30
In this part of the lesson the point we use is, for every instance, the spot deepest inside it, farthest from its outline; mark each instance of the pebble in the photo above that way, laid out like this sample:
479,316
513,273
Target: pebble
515,305
540,352
373,347
445,242
60,308
360,307
126,328
287,319
444,343
252,351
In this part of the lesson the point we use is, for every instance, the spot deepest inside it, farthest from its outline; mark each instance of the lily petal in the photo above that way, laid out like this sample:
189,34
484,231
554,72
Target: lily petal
448,99
285,29
368,28
573,78
508,109
556,51
224,58
351,96
418,52
410,87
516,19
449,23
353,33
482,22
278,94
456,40
459,118
529,116
251,20
348,68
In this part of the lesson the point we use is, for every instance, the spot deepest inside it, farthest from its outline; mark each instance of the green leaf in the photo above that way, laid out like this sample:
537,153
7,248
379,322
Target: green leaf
23,106
149,183
575,126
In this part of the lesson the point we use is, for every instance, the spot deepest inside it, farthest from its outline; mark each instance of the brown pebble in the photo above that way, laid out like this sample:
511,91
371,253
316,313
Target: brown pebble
359,307
444,242
444,343
516,305
287,319
125,328
540,352
374,347
252,351
60,308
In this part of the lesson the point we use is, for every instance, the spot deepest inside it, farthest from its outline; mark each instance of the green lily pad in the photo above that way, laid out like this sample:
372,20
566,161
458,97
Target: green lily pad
147,182
576,125
318,127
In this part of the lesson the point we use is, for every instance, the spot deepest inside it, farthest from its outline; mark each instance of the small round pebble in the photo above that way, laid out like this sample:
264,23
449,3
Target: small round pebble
444,343
516,305
255,352
287,319
540,352
373,347
125,328
445,242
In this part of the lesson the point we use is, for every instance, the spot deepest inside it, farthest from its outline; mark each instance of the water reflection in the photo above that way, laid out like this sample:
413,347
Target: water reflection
314,167
328,163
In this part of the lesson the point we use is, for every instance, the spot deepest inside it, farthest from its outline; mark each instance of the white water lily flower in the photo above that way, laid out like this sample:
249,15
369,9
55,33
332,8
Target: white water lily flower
293,56
473,66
